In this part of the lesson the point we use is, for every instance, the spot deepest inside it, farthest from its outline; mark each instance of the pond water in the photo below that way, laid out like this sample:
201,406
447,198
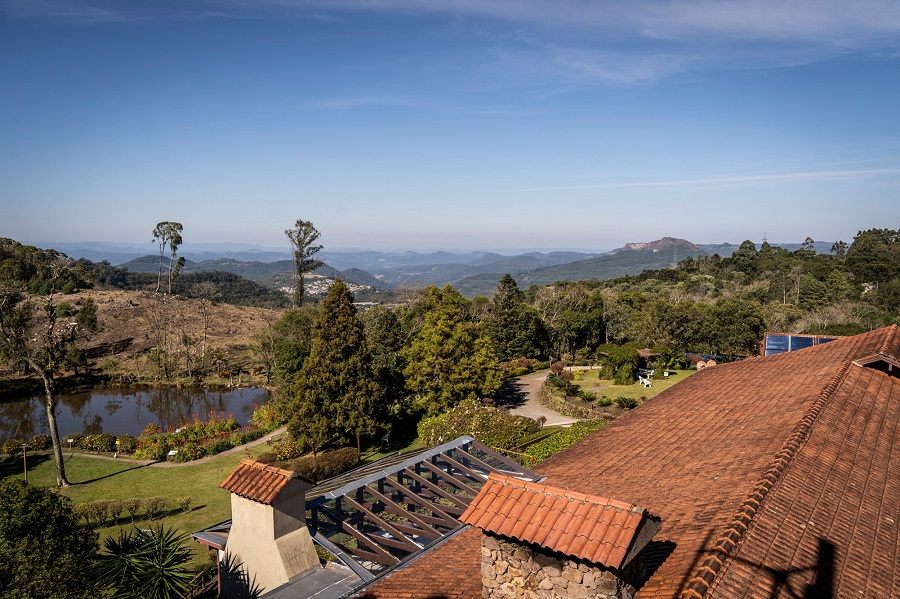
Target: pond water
121,410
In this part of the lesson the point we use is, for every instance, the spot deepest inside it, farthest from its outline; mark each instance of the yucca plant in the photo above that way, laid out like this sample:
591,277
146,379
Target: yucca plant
146,564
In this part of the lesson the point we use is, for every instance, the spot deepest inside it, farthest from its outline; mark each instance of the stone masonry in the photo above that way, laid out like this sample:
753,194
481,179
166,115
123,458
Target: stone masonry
514,570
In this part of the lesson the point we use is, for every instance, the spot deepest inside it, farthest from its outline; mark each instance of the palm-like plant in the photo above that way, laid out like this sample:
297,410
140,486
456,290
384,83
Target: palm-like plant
146,564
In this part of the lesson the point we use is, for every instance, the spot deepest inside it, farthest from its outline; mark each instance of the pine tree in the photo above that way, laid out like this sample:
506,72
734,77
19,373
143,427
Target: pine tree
513,327
450,359
336,394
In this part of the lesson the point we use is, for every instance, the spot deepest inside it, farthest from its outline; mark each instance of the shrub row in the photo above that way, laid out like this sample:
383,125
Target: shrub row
109,511
493,427
316,468
561,406
561,440
37,442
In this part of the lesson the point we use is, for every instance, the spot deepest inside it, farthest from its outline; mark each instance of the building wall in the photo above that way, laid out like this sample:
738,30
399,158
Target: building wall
268,560
514,570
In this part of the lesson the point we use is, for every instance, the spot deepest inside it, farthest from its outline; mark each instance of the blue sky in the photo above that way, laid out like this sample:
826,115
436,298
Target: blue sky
452,124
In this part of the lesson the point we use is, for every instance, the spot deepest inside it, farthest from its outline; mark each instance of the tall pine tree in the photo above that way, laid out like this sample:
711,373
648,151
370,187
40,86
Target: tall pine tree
337,396
513,327
450,359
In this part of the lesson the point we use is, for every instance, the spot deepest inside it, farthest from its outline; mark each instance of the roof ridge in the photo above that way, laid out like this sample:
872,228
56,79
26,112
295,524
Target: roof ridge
569,494
890,332
726,544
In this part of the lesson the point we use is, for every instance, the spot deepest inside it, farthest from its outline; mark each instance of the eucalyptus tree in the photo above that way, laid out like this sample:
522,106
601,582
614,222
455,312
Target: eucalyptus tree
41,332
303,236
168,233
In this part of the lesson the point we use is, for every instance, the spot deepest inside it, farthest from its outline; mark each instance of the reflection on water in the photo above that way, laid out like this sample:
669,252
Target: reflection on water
121,410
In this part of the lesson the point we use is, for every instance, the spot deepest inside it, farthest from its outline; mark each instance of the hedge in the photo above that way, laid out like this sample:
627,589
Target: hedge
561,406
561,440
105,512
491,426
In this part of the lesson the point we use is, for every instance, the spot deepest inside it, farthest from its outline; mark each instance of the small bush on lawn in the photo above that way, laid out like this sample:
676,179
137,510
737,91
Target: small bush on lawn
188,452
152,451
326,465
493,427
133,506
561,440
587,395
40,442
626,403
287,449
604,401
127,444
12,446
104,442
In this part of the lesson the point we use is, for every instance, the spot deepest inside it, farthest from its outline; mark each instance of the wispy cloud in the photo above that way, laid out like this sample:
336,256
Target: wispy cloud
576,42
814,175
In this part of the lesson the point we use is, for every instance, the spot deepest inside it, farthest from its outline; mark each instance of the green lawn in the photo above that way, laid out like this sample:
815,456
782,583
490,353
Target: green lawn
590,381
94,479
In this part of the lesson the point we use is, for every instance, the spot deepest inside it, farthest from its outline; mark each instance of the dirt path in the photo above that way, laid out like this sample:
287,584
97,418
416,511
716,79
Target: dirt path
522,397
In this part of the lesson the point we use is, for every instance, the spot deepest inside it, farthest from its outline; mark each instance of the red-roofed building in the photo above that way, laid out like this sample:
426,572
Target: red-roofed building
775,477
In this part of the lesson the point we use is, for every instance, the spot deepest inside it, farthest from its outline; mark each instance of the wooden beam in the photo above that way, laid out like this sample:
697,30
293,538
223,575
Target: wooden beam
382,524
409,515
435,488
475,476
448,477
380,555
428,505
368,555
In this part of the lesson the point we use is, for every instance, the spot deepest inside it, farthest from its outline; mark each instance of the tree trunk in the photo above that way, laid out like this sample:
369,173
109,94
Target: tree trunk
358,443
61,480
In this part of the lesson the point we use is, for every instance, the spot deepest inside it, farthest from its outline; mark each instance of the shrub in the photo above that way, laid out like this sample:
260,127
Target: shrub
188,452
12,446
566,386
587,395
40,442
99,443
561,440
326,465
287,449
626,403
267,416
133,506
184,503
558,368
150,452
73,440
127,444
116,507
266,457
217,446
620,362
604,401
155,507
493,427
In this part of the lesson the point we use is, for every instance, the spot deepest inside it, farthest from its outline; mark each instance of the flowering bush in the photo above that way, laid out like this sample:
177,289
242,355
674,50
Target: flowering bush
493,427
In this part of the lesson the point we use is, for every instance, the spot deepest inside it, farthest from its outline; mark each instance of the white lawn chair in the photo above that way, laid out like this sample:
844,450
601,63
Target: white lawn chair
645,382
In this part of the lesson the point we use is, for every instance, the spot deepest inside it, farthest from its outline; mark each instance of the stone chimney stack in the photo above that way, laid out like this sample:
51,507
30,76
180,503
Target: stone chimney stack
268,534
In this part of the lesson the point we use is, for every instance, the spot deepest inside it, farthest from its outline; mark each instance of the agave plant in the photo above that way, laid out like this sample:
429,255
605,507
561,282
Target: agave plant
146,564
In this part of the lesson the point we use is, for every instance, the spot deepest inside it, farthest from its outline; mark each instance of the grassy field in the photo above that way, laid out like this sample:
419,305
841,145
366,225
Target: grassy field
94,478
590,381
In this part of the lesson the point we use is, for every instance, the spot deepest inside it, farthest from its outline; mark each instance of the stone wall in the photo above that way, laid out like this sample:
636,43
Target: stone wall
513,570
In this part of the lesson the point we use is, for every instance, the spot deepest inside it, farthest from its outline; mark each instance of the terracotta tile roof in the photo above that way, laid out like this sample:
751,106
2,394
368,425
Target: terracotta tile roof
598,529
257,481
711,453
450,571
832,520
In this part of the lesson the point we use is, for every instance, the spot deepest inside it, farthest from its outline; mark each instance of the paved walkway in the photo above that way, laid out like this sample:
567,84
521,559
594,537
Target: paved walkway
522,397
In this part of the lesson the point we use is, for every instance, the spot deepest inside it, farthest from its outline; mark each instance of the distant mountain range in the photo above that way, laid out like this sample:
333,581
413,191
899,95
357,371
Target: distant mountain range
473,273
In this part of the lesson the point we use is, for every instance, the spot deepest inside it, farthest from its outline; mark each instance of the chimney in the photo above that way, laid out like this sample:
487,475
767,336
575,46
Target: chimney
553,542
268,536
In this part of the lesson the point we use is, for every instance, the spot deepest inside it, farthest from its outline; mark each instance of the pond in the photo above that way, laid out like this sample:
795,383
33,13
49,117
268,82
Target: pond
121,410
